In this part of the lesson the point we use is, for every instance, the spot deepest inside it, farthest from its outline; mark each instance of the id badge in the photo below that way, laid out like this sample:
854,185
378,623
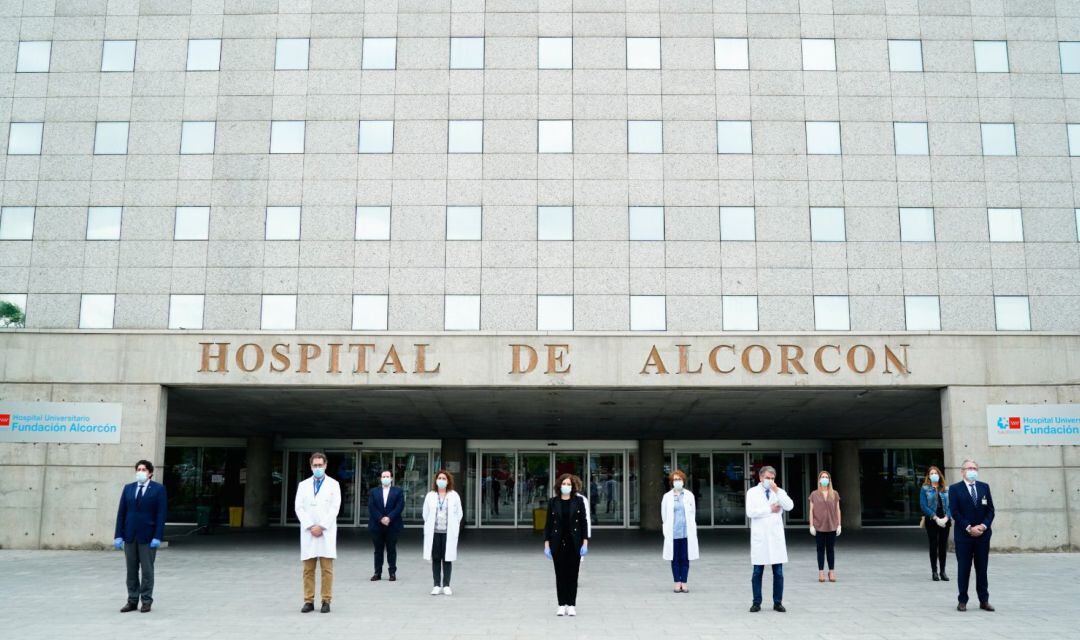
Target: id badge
984,501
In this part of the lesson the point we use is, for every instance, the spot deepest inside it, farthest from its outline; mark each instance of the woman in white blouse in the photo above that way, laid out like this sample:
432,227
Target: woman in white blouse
442,523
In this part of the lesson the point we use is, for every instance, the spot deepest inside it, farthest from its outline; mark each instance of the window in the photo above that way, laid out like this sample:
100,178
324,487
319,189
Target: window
818,54
643,53
203,55
376,136
291,54
192,223
18,300
733,136
646,223
732,53
466,53
1012,313
555,53
17,223
287,136
111,138
740,313
736,223
379,53
461,313
905,55
827,224
118,55
554,313
554,223
647,313
998,140
103,223
96,311
831,313
186,312
911,139
369,312
1073,131
463,223
24,139
644,136
1070,56
283,223
1006,225
822,138
373,223
921,313
278,312
555,136
991,56
34,57
465,136
197,137
916,224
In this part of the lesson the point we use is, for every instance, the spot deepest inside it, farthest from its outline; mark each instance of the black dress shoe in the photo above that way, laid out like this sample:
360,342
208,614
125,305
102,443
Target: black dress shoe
935,577
961,606
325,607
754,608
393,578
145,608
308,607
944,578
778,607
376,577
986,606
130,606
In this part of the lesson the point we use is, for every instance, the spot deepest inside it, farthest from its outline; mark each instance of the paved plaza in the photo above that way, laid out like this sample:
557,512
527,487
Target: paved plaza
247,585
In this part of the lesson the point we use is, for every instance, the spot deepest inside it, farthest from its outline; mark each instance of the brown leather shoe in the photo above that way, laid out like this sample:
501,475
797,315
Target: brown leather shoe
986,606
393,578
961,607
130,606
145,608
376,577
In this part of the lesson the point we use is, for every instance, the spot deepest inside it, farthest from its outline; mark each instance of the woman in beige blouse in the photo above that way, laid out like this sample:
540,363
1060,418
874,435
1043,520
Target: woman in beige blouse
825,523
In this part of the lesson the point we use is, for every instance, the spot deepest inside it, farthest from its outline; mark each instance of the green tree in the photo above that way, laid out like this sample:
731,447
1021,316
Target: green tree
11,315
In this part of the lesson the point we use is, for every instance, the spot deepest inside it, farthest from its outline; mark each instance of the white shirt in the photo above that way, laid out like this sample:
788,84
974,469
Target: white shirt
139,491
385,495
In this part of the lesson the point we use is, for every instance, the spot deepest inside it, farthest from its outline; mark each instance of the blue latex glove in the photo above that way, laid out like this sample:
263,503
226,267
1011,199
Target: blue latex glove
584,550
118,543
547,552
155,543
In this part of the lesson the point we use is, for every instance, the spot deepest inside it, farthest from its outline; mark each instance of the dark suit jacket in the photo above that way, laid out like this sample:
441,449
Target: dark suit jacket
395,504
579,527
966,512
145,520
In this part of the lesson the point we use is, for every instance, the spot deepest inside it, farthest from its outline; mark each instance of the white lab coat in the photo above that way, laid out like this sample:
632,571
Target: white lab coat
667,516
454,514
319,510
588,518
767,544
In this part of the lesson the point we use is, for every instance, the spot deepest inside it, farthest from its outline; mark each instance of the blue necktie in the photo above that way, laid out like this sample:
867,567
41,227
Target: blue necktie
766,494
974,496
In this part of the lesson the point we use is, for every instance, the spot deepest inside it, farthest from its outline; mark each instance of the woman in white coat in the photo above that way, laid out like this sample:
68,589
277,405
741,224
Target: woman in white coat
318,500
677,512
442,524
765,504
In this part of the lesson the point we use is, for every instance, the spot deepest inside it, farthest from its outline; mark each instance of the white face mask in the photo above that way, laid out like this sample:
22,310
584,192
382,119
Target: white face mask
141,477
385,481
566,489
440,483
678,484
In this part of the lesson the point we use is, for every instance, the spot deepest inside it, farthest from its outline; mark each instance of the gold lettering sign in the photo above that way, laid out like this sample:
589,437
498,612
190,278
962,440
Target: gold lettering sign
305,357
758,359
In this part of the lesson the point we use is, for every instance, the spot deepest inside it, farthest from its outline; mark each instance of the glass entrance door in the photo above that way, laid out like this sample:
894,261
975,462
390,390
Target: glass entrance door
606,488
341,466
534,484
799,472
497,489
729,488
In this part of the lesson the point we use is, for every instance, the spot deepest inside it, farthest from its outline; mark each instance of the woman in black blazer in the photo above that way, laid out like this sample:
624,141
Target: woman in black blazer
566,540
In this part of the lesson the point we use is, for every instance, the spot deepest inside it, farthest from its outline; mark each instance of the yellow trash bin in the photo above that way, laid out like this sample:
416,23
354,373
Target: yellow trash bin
236,517
539,519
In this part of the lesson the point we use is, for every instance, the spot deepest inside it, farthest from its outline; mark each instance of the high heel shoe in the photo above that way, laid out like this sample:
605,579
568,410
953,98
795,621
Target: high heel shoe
821,576
832,576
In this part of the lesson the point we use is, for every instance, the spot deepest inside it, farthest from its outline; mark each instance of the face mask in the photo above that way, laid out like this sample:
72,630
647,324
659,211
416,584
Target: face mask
934,477
566,489
971,475
440,483
141,477
766,483
318,472
385,481
824,482
678,484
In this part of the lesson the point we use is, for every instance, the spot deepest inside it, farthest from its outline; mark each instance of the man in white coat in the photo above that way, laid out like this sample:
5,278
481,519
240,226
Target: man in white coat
765,504
318,500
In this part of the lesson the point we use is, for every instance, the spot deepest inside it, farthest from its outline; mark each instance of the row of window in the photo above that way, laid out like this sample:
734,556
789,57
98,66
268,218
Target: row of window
827,224
553,312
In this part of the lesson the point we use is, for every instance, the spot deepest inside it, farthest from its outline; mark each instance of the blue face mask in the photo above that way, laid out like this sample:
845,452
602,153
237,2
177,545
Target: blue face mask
318,472
440,483
385,481
972,475
934,477
566,489
824,482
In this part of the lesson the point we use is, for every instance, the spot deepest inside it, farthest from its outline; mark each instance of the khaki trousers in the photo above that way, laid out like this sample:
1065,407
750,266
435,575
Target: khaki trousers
327,566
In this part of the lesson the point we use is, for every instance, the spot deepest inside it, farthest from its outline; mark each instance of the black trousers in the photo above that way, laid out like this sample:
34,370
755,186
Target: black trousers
826,546
139,555
567,562
938,539
968,553
385,540
440,568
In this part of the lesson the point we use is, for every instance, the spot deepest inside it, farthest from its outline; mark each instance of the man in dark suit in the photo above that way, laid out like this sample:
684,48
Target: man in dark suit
973,511
385,504
140,526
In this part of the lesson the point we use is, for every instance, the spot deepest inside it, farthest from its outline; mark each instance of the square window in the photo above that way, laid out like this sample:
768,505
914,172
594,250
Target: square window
287,136
34,57
822,138
283,223
831,313
465,136
463,223
111,138
197,137
731,53
648,313
18,300
1006,225
1012,313
555,53
96,311
916,224
192,223
827,224
278,312
554,313
1070,56
644,136
740,313
921,313
911,139
646,223
905,55
555,136
379,53
17,223
998,140
818,54
643,53
1073,131
291,54
554,223
369,312
103,223
118,55
24,139
373,223
186,312
737,223
376,136
461,313
466,53
204,55
734,136
991,56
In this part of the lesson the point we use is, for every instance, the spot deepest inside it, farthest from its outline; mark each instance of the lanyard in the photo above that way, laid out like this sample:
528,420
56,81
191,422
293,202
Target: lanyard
318,485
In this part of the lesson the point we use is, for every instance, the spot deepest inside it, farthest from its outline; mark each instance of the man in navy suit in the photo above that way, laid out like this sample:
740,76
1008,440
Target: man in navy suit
140,526
973,511
385,504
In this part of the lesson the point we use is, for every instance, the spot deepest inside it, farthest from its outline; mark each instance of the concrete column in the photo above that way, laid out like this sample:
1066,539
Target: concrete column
651,482
455,460
260,456
845,472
